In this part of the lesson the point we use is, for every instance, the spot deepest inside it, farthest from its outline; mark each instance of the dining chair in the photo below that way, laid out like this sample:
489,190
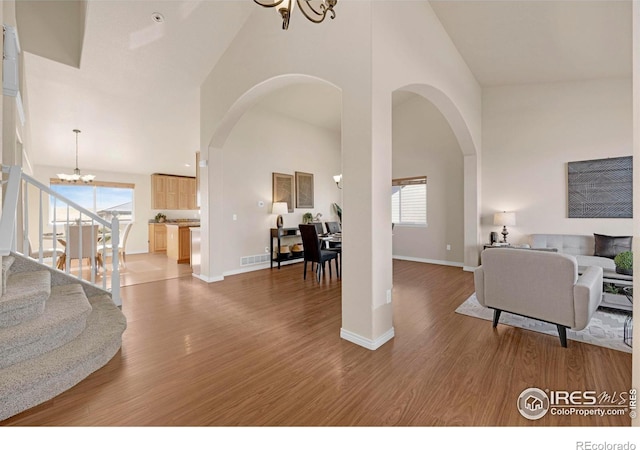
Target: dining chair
333,227
82,242
46,252
319,229
314,254
107,249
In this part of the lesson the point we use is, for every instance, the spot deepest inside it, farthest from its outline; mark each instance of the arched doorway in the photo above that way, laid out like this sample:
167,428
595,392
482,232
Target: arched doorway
269,129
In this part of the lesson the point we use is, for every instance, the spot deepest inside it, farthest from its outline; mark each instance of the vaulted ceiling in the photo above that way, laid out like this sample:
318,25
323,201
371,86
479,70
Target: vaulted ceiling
135,88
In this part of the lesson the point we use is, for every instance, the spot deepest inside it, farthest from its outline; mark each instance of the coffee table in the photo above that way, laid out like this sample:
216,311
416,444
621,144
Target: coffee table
618,281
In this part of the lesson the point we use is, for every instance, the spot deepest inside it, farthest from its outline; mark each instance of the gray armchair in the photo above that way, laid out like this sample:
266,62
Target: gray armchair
539,285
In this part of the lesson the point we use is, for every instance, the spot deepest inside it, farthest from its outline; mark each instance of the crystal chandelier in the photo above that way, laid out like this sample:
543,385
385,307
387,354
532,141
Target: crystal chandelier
75,177
315,14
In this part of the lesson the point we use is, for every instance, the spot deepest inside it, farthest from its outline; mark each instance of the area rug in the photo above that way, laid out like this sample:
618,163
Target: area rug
605,329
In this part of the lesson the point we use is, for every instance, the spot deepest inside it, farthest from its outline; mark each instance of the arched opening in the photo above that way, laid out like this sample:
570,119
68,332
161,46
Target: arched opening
442,110
428,218
284,125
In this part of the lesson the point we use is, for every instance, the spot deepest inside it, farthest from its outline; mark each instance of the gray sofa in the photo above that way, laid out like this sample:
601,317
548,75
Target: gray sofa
540,285
580,246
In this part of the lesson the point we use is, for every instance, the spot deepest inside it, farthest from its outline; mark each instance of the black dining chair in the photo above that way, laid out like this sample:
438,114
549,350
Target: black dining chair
333,227
314,254
318,226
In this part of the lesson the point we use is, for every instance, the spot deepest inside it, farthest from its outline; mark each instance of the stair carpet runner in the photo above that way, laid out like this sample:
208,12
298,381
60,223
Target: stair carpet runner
51,336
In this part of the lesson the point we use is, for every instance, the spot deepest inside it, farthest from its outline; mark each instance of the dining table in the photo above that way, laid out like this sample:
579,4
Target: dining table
333,238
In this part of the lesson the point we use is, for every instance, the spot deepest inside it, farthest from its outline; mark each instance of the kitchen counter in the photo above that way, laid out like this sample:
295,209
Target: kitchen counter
182,224
179,240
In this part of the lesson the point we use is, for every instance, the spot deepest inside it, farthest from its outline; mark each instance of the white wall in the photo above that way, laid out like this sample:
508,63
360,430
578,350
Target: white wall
531,132
424,144
263,142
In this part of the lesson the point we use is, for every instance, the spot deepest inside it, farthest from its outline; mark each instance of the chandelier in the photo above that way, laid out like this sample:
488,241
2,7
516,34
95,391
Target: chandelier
315,14
75,177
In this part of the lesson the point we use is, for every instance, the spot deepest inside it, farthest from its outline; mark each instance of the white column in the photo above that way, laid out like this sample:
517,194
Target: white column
211,225
367,318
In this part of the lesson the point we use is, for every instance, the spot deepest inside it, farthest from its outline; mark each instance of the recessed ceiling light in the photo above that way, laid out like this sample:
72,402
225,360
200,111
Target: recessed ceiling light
157,17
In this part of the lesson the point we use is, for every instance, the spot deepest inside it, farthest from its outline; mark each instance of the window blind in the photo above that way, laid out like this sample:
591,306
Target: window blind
409,201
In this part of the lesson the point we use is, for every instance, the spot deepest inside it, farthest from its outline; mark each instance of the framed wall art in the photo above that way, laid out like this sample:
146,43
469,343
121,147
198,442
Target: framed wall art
282,189
600,188
304,190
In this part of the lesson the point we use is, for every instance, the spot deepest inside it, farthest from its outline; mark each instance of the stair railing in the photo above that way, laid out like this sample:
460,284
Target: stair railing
47,206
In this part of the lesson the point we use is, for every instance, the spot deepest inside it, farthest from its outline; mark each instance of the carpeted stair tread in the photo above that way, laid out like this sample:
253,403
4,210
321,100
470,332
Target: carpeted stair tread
64,318
25,297
34,381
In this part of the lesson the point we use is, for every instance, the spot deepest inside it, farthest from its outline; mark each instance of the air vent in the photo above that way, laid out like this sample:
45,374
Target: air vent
255,259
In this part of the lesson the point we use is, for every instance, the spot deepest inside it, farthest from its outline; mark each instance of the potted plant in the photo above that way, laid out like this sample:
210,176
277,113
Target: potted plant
338,211
307,218
624,263
160,218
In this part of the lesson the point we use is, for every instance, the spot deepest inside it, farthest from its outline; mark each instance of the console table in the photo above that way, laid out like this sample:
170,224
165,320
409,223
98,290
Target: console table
277,234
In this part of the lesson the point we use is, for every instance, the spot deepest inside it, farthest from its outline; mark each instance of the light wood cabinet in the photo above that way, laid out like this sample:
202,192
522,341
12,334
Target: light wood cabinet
157,237
178,243
173,192
159,192
187,193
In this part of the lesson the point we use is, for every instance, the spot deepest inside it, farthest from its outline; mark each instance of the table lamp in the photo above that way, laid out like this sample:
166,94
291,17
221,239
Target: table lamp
279,208
504,218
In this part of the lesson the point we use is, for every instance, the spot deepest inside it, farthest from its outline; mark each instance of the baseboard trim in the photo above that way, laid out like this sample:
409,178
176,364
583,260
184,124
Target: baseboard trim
364,342
252,268
208,279
469,268
255,267
429,261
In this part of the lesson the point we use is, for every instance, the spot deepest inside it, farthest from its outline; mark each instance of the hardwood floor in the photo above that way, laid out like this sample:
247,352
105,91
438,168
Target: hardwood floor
263,348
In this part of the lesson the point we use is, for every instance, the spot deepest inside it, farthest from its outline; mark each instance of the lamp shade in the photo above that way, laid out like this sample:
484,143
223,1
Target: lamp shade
337,178
504,218
280,208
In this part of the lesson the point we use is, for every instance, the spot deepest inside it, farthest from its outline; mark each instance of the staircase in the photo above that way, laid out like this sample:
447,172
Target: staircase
54,332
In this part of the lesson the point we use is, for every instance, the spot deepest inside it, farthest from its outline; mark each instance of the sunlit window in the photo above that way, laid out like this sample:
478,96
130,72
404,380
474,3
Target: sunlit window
103,199
409,201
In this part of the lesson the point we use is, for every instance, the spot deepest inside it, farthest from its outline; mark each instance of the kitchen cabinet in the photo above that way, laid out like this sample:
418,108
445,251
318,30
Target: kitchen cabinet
173,184
158,191
157,237
187,193
173,192
179,241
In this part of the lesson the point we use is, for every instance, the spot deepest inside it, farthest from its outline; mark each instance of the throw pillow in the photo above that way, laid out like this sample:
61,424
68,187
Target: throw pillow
610,246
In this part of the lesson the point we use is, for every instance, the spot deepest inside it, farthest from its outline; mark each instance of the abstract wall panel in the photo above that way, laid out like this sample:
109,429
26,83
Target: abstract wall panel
601,188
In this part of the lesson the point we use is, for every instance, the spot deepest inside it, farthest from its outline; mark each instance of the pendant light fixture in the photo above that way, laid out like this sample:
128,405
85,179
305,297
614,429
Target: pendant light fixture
315,13
76,176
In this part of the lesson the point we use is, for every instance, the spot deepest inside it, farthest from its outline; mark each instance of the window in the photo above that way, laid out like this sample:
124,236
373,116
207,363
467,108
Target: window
103,198
409,201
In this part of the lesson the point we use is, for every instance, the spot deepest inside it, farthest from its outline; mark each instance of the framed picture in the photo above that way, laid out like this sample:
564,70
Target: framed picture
282,189
304,190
